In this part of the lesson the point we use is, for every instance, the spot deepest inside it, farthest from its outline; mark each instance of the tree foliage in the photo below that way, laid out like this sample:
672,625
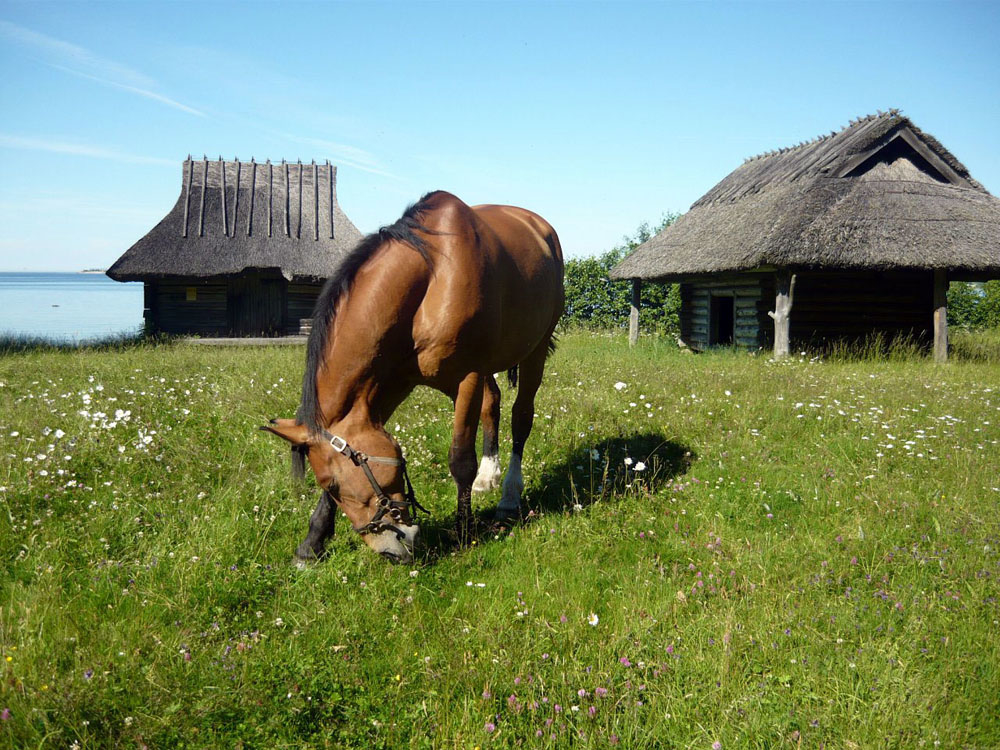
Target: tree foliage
594,301
974,304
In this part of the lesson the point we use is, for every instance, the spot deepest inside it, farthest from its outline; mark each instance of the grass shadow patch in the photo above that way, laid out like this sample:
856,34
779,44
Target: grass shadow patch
640,462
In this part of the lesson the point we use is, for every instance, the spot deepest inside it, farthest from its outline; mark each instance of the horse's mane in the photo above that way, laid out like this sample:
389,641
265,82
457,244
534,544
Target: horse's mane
404,230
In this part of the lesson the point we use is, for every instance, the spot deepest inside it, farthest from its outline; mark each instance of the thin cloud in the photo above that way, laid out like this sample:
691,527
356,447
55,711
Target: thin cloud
349,156
23,143
135,90
79,61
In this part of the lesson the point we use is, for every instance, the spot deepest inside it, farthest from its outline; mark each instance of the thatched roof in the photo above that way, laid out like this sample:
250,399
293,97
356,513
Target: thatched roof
879,194
234,216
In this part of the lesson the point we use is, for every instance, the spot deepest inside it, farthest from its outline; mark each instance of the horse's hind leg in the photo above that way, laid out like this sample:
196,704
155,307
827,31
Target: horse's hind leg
488,477
321,526
521,419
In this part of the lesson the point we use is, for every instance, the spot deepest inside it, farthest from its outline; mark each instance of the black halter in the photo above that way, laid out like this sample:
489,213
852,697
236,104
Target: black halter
386,505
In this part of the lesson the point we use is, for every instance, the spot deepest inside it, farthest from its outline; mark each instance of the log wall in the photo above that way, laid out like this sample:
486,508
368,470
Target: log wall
828,307
752,297
301,300
851,306
170,311
246,306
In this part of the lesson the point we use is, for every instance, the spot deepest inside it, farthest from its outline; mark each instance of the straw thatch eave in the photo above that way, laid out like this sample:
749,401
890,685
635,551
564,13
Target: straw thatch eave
878,195
233,218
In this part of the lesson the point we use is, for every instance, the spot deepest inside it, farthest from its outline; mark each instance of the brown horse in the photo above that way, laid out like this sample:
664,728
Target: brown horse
445,297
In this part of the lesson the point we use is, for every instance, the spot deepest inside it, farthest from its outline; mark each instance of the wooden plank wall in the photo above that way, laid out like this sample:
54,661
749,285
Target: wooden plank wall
172,312
753,297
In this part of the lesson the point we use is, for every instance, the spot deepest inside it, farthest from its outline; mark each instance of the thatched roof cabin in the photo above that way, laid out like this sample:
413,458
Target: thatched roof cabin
244,251
869,221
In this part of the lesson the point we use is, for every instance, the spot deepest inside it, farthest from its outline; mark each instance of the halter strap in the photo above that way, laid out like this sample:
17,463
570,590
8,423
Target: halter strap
386,505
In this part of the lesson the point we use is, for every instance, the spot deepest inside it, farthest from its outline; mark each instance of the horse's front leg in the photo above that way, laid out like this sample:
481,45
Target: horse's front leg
321,526
489,474
462,456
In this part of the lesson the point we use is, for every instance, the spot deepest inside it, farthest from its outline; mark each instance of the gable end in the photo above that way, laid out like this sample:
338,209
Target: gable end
906,144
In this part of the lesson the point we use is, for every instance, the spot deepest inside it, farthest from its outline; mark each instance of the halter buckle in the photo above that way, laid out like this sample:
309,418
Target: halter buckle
338,444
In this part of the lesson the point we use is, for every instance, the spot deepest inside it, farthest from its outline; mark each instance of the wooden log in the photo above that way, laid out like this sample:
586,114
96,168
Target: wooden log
784,284
633,317
940,315
225,216
201,209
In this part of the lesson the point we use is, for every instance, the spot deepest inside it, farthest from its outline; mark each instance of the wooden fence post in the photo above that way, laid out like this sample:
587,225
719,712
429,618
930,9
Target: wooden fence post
633,317
940,315
781,315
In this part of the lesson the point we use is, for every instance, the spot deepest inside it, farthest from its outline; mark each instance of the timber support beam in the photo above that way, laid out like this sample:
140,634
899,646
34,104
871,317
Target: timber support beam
940,315
633,317
784,285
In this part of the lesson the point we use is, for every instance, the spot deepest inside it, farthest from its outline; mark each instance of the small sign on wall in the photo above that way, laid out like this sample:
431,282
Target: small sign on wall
192,294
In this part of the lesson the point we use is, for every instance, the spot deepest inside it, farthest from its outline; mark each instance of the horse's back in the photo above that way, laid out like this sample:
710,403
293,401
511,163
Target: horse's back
497,292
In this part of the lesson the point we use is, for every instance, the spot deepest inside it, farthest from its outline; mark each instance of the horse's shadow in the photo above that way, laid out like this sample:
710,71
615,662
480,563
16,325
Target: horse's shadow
641,463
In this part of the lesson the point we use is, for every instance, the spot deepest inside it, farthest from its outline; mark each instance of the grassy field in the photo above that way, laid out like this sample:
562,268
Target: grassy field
723,551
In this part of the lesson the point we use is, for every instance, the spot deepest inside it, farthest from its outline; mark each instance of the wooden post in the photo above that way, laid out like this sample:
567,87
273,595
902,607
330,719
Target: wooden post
784,284
633,316
940,315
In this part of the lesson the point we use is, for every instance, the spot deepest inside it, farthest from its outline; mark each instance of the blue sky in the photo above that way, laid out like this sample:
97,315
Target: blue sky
596,115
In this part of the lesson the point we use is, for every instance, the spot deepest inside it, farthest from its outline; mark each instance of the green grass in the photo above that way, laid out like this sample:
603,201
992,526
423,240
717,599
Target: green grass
809,556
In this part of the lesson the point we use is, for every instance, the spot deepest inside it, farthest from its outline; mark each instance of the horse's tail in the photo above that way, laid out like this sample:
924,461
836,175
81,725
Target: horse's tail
298,463
512,372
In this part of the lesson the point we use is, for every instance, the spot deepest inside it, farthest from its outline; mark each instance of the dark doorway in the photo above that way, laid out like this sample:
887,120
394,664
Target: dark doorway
722,321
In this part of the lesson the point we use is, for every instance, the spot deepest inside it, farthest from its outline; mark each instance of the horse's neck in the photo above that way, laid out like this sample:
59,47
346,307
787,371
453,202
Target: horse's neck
365,376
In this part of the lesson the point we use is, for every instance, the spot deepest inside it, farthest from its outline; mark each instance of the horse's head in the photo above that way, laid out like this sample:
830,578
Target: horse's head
363,471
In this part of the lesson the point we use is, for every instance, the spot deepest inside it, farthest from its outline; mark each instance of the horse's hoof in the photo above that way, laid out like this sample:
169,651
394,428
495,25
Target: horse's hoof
507,515
486,484
306,556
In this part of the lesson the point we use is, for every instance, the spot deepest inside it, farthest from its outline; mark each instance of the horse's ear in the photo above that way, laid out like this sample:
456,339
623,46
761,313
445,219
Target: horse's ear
296,434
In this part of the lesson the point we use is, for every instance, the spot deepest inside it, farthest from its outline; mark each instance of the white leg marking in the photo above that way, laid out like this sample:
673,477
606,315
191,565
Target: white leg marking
488,477
513,484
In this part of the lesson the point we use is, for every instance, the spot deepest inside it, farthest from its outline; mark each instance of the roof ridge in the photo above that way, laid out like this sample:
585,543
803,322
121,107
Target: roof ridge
237,160
892,113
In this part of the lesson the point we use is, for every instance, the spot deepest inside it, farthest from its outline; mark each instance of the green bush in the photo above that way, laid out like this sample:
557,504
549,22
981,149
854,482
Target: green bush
595,302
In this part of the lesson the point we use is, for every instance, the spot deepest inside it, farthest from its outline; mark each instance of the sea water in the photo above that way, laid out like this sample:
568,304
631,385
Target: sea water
68,307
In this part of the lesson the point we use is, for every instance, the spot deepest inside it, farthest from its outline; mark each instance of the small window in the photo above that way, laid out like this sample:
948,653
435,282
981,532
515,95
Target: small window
722,321
192,294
